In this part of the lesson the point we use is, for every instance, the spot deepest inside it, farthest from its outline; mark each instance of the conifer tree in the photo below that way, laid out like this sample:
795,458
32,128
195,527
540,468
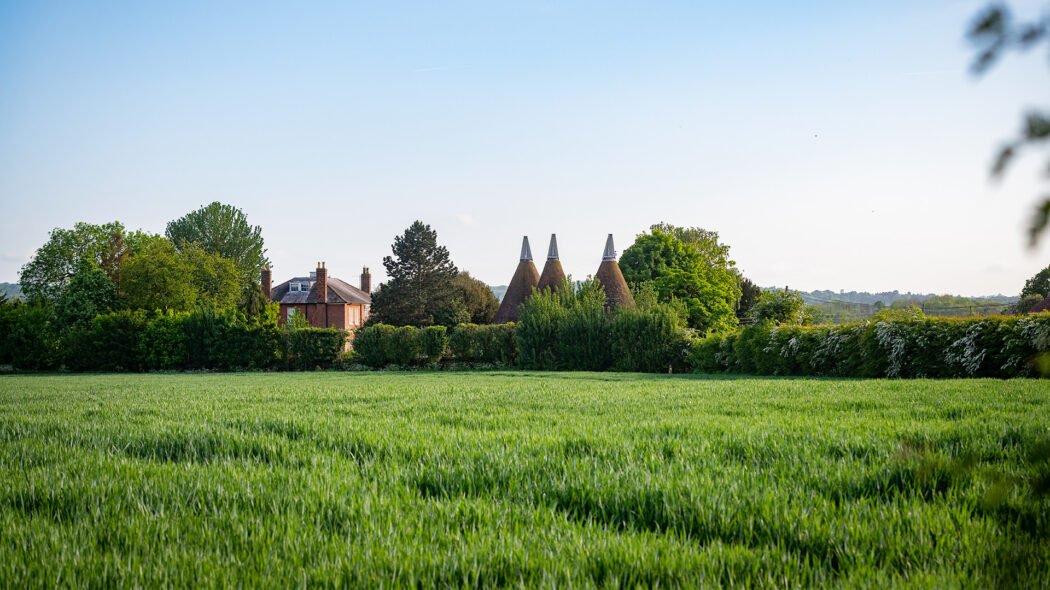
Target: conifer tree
420,280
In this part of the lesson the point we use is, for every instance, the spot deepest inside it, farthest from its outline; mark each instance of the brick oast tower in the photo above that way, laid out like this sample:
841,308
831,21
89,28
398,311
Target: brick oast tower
521,285
325,301
617,294
553,276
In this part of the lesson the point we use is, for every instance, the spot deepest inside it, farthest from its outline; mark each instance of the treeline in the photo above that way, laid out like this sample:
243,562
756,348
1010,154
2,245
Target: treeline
134,341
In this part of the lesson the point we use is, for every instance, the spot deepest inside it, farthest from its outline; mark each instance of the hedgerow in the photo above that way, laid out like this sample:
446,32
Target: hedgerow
909,347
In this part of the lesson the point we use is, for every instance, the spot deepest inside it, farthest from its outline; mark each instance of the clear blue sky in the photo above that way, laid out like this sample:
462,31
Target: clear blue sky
838,145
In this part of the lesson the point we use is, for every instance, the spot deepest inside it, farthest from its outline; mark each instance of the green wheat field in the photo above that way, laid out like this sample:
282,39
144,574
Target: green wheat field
519,479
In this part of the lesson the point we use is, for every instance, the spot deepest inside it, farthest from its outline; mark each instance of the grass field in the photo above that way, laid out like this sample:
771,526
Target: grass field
389,479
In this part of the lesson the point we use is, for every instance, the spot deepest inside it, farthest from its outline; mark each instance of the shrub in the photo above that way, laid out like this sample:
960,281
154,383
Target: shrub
434,343
404,346
780,307
109,342
494,344
371,343
27,337
648,340
899,345
220,341
162,346
313,348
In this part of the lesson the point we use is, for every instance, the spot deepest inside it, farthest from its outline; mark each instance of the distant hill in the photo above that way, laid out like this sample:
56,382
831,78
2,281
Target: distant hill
11,290
890,297
499,291
844,306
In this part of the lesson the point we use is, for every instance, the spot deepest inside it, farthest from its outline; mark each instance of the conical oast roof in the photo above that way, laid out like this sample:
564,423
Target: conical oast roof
521,285
553,276
617,294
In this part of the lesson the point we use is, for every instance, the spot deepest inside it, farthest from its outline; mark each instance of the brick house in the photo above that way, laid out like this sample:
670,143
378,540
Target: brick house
326,302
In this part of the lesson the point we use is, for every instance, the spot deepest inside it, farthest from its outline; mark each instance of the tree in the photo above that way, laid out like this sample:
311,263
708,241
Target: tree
749,294
780,307
478,299
90,292
67,251
689,265
214,278
158,278
994,32
224,230
420,286
1039,284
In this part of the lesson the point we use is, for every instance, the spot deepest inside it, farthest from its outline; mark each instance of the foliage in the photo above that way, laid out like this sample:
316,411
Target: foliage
223,230
1038,285
28,337
648,340
90,292
420,275
162,345
497,479
158,278
1026,303
572,330
67,251
404,348
433,341
313,348
219,340
372,344
689,265
749,294
491,344
994,32
780,307
214,278
476,299
296,320
109,342
897,344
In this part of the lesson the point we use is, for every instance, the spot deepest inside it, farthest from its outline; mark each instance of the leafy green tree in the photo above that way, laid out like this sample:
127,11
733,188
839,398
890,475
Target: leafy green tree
689,265
158,278
476,297
89,293
224,230
1026,304
420,288
214,278
52,267
780,307
1039,284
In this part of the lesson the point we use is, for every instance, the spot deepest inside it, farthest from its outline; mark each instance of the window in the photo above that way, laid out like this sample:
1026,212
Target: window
293,287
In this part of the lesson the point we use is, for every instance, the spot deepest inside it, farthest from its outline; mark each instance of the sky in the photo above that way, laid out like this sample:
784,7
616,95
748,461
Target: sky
832,145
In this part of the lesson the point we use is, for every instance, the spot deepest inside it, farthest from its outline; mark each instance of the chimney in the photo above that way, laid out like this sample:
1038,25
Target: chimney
366,280
267,282
321,283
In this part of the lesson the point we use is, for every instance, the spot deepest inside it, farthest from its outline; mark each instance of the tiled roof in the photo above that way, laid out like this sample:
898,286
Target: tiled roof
338,292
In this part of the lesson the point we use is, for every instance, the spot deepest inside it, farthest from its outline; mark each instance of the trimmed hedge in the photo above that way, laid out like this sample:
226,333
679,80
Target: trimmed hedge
917,347
133,341
381,345
313,348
